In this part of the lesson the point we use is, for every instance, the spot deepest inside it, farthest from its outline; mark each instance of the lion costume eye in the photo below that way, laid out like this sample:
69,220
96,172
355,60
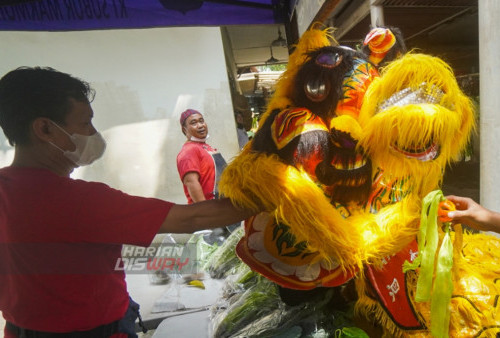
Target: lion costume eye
328,60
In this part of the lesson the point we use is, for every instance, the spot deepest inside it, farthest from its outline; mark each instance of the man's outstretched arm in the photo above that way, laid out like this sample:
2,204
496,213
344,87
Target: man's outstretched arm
203,215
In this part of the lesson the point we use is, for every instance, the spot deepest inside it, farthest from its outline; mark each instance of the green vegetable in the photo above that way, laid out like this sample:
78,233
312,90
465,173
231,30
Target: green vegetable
224,259
256,302
354,332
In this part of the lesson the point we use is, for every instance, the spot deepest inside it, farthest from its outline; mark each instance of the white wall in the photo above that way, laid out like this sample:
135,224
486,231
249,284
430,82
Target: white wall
144,79
489,47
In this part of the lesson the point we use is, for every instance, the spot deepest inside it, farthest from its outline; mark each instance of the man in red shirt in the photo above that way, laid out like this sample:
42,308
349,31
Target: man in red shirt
60,238
200,166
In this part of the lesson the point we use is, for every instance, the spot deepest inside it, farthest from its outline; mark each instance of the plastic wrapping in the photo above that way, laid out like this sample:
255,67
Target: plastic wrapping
204,250
195,250
237,283
243,308
224,259
192,287
251,306
159,276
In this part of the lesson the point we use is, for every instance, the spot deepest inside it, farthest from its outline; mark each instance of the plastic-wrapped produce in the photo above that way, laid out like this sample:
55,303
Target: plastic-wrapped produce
224,259
256,302
251,306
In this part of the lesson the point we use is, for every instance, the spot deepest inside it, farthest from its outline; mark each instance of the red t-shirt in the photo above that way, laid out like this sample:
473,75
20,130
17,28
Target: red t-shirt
201,158
60,240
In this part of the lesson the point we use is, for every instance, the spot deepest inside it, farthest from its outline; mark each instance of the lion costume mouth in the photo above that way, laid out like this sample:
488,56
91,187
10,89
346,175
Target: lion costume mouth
425,154
355,162
351,166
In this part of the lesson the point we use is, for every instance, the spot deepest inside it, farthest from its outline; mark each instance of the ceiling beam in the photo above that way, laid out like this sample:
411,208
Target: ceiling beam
229,54
437,24
352,19
324,12
376,14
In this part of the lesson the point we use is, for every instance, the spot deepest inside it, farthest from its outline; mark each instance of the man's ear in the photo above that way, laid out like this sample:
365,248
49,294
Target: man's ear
43,129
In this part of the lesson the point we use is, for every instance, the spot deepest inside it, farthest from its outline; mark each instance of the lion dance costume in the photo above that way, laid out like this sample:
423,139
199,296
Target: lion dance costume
342,162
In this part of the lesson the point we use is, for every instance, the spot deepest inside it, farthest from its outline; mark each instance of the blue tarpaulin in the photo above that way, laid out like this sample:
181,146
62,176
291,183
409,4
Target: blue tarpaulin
64,15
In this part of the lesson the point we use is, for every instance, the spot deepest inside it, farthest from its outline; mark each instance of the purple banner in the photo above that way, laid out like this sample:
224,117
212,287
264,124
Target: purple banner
65,15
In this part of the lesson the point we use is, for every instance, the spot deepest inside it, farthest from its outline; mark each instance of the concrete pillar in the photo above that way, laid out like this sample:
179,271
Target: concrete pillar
489,67
376,14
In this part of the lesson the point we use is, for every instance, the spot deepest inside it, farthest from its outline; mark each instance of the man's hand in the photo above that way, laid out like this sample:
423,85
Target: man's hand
474,215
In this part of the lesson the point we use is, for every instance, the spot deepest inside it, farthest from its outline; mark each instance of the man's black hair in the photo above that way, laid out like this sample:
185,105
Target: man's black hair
28,93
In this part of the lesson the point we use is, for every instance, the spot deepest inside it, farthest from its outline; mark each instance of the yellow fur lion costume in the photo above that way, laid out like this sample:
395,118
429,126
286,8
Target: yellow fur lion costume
414,121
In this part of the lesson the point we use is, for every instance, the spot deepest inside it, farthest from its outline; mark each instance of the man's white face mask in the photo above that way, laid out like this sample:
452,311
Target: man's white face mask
196,139
88,148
